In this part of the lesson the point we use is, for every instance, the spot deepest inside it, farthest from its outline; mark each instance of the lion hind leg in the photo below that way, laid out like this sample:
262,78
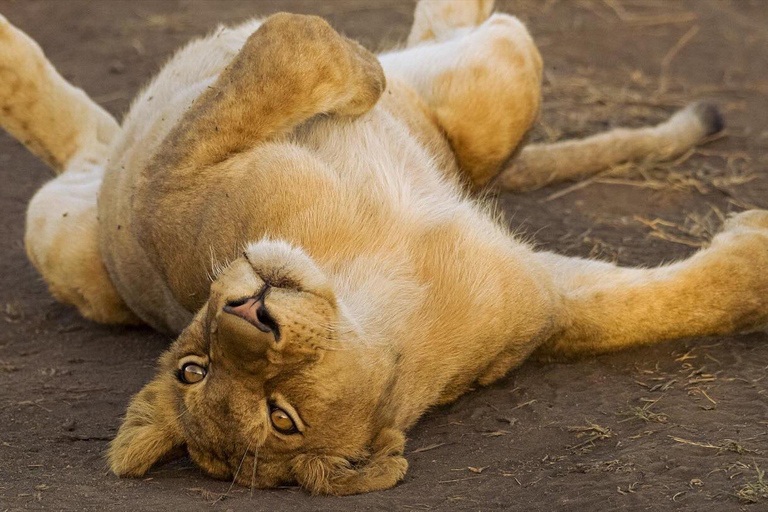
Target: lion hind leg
483,87
720,290
62,242
439,20
38,107
65,128
539,165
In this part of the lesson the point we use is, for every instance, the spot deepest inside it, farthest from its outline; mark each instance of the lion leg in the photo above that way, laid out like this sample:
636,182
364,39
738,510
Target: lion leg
720,290
439,20
39,108
483,83
62,242
538,165
296,62
64,127
485,103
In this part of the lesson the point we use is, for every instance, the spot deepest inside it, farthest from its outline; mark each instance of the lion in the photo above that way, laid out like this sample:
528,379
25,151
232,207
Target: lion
309,220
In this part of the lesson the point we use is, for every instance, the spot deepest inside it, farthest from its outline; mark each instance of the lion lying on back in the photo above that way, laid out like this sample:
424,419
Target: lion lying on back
302,213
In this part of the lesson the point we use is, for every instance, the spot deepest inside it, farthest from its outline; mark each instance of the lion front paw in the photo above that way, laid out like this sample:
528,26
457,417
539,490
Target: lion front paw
737,267
744,238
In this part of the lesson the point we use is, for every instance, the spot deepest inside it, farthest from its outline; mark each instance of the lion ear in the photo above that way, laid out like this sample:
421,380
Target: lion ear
327,474
149,433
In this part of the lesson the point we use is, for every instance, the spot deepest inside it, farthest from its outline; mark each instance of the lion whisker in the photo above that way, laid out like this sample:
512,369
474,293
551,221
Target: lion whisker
253,470
237,472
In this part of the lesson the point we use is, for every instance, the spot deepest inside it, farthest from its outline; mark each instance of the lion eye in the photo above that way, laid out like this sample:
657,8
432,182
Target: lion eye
191,373
282,421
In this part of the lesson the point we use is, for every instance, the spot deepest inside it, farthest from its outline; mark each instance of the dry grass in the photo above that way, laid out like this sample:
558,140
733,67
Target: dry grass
590,432
13,313
660,386
644,412
726,445
716,171
573,104
646,18
696,230
755,491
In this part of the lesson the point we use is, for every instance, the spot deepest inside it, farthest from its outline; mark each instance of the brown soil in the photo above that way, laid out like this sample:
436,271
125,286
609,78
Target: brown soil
682,425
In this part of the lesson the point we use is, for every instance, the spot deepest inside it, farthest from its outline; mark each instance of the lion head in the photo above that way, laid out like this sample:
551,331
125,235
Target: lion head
269,385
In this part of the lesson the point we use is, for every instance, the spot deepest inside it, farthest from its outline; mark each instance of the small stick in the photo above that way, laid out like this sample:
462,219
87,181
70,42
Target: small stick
666,62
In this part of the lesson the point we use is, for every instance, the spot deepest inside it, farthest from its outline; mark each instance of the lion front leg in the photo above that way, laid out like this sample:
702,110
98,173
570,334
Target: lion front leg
292,68
722,289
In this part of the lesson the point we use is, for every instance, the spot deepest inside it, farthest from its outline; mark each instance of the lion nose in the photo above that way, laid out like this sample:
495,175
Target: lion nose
253,310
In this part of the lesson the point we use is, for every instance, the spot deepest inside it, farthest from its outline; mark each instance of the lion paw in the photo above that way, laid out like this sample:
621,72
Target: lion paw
273,263
439,19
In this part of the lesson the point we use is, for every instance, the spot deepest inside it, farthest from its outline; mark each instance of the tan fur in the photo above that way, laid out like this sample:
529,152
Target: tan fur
281,163
53,119
544,164
66,129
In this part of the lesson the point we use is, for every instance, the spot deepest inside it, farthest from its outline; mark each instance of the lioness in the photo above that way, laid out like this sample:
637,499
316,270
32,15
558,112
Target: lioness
305,215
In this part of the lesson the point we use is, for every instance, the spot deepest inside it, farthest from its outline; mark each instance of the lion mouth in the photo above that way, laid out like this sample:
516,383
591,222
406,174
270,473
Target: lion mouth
254,311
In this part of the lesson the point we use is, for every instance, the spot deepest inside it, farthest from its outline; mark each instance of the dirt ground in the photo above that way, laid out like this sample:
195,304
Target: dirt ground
680,426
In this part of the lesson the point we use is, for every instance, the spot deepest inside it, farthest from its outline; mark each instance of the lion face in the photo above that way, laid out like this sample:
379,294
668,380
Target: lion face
269,387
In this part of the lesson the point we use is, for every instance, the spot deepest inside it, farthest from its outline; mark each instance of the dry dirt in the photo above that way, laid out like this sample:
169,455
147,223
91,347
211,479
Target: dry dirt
680,426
